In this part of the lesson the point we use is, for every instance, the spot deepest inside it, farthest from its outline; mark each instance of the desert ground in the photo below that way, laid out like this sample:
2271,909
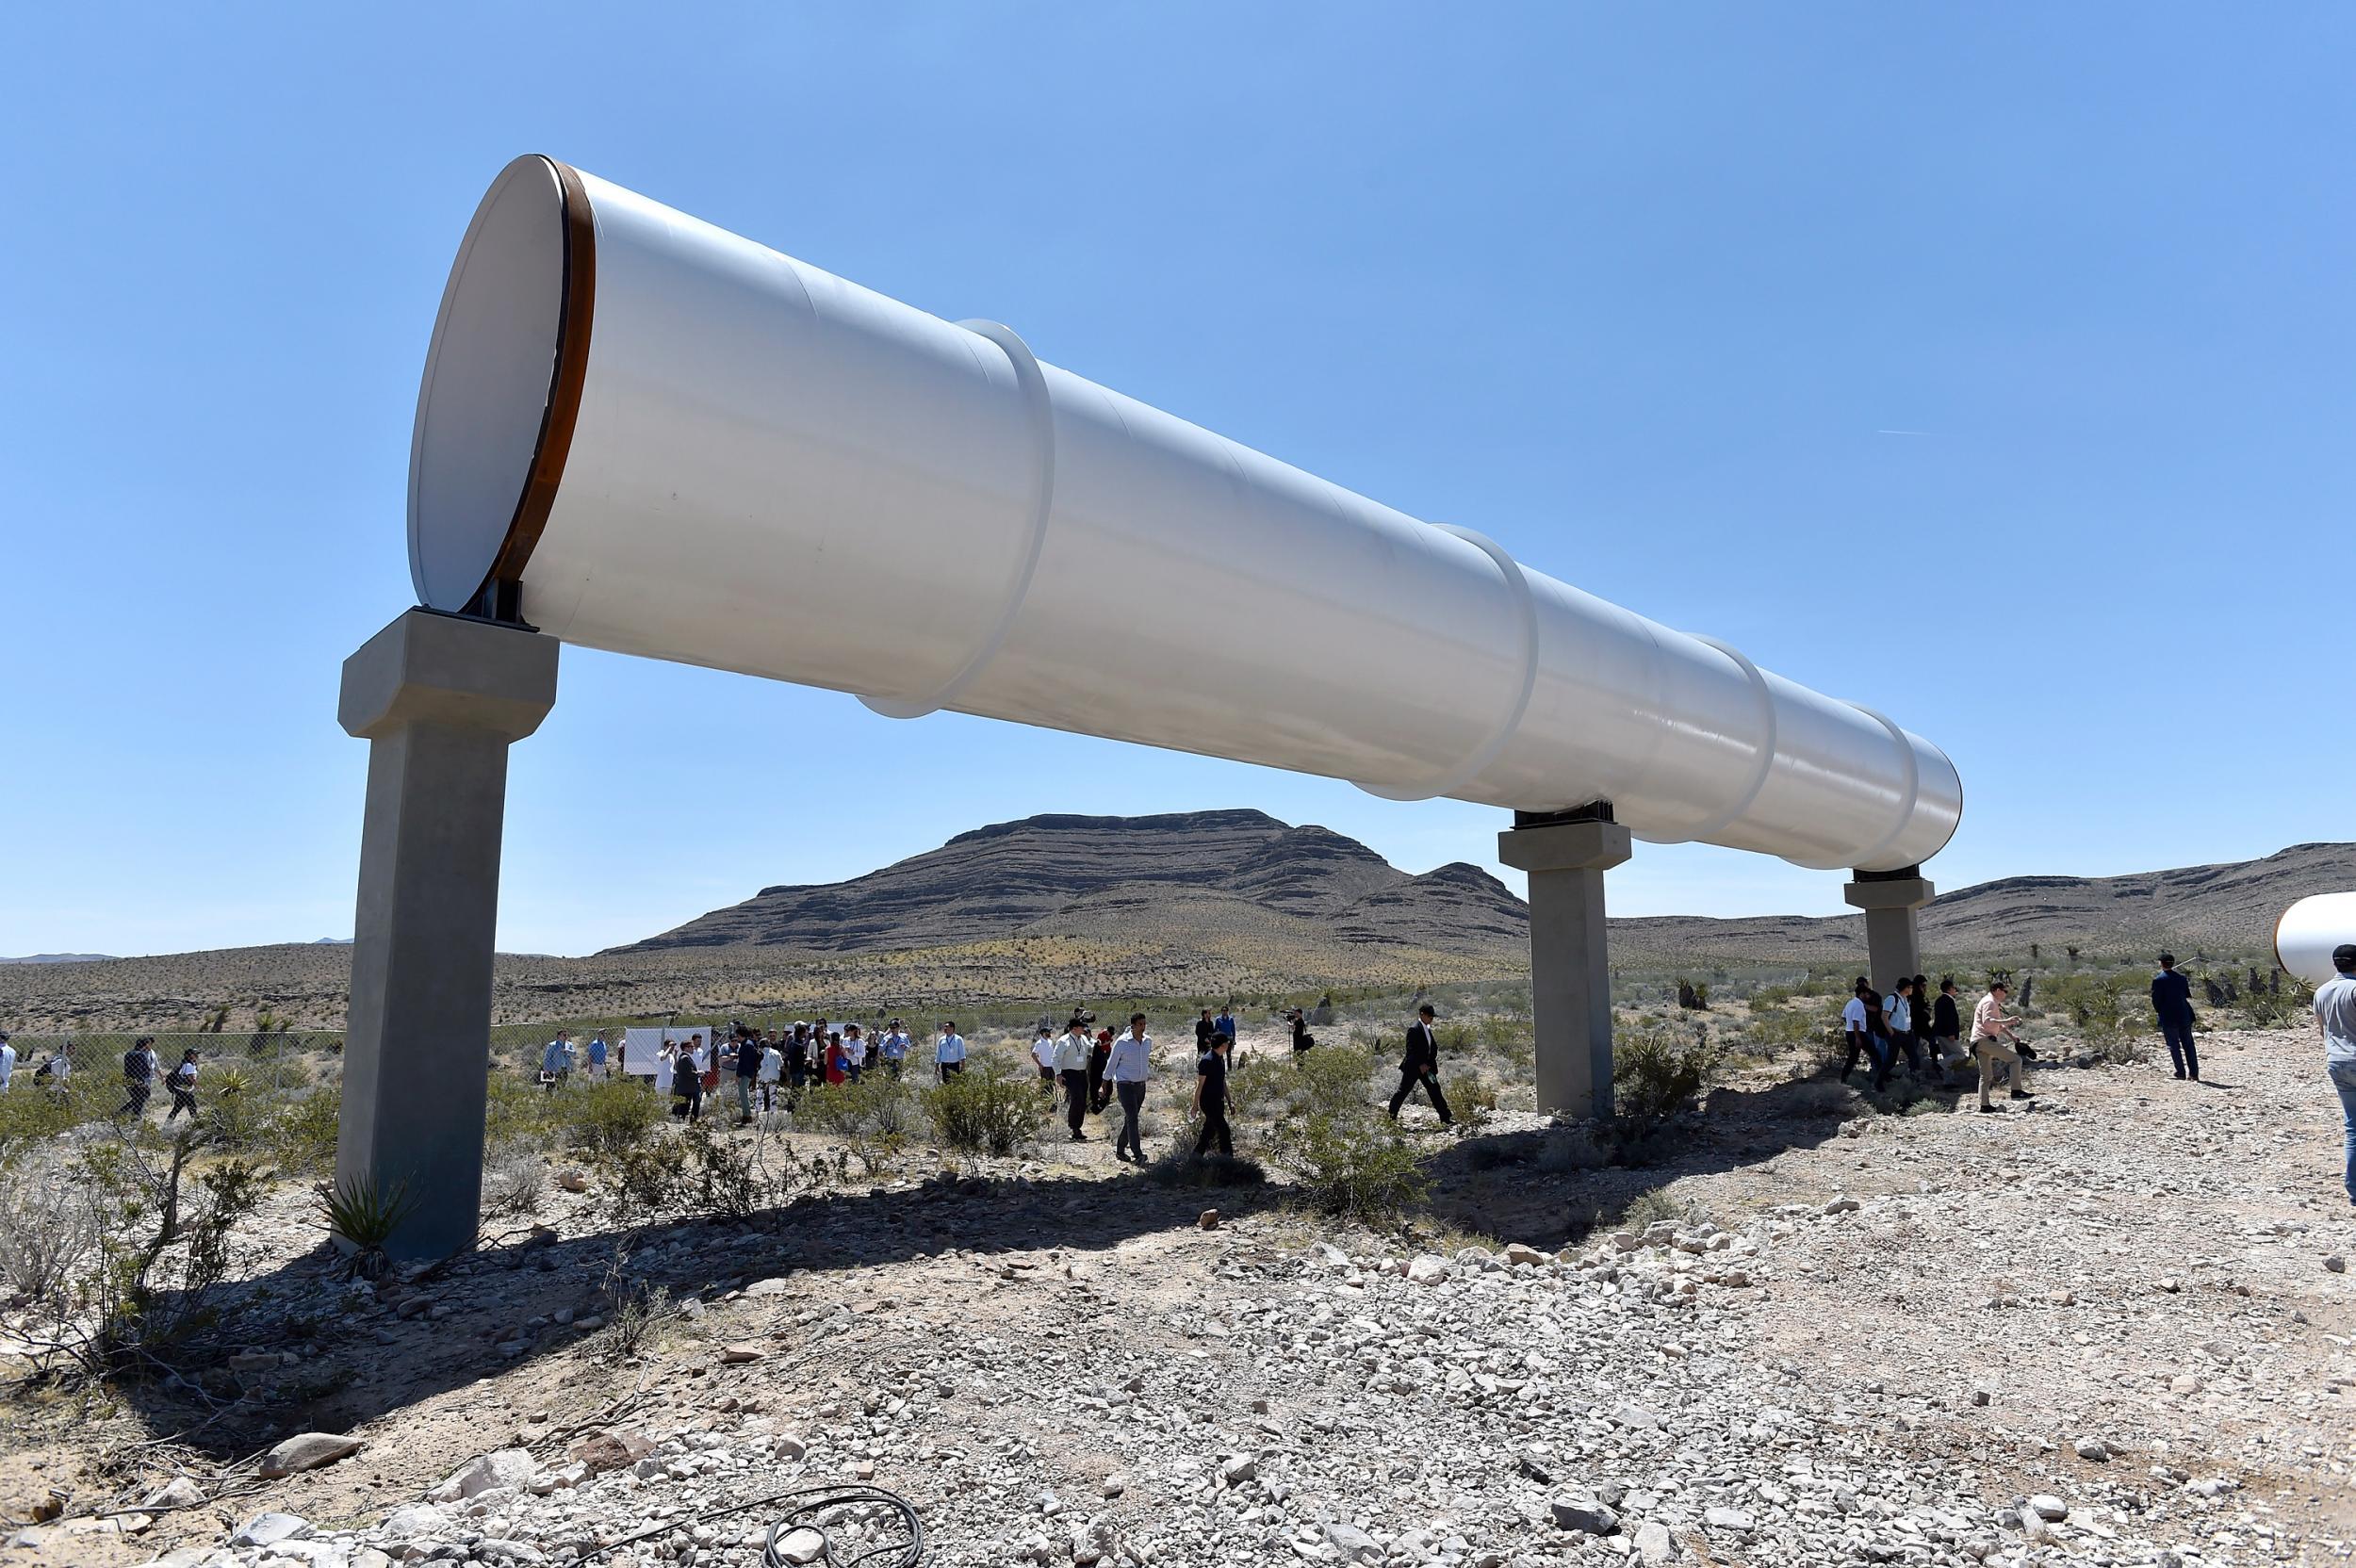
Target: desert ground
1798,1324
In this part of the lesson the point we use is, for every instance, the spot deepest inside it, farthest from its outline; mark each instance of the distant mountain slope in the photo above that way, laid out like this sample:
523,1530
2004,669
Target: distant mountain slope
60,958
2233,905
1192,874
1198,870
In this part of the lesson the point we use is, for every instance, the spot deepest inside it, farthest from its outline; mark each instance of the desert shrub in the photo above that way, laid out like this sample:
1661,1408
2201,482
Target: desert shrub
303,1136
1655,1204
648,1179
362,1215
238,1118
1781,1029
1816,1098
516,1111
875,1118
158,1250
1178,1167
512,1175
31,1115
1657,1071
739,1178
48,1233
605,1119
633,1305
1347,1166
990,1108
1567,1149
1473,1099
1324,1078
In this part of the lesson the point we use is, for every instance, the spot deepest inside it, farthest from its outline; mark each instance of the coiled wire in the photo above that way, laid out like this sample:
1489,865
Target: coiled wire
802,1505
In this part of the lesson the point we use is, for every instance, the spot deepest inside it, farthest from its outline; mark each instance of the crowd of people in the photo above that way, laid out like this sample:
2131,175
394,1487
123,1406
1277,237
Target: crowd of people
1095,1069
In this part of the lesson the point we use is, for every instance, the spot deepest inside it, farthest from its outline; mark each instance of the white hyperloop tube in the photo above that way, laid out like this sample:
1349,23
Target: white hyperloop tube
2310,930
641,432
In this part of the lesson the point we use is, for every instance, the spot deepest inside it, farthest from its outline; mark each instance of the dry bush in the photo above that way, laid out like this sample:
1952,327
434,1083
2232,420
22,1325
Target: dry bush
48,1235
512,1176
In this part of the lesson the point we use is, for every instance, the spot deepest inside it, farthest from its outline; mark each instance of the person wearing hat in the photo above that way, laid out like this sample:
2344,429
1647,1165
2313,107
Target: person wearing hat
1995,1043
1100,1059
2336,1020
1071,1062
1421,1064
2171,998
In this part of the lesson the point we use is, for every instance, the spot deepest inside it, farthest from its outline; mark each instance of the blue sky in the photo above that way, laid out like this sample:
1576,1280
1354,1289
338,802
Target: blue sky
1640,292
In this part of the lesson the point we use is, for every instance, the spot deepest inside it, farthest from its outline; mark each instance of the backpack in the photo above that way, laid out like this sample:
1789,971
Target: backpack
42,1070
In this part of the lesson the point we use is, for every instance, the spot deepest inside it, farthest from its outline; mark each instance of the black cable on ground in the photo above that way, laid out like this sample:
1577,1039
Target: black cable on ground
802,1504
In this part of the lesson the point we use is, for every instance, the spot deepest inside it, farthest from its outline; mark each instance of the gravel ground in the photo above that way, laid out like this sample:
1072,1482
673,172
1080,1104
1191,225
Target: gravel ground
2107,1327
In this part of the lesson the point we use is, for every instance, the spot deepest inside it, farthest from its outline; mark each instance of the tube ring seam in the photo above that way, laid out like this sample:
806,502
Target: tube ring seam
1032,384
1914,784
1517,582
1766,763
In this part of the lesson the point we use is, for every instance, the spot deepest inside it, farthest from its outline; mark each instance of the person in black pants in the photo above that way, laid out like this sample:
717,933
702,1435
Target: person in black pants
1421,1064
2171,998
1946,1029
183,1087
1210,1098
138,1076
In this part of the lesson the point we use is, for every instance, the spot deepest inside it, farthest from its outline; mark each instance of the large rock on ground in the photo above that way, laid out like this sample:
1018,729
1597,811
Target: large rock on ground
508,1468
307,1452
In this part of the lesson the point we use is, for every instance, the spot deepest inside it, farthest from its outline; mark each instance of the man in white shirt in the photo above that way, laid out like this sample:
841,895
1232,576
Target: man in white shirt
949,1052
2336,1020
1043,1052
7,1063
1071,1062
1852,1028
1132,1063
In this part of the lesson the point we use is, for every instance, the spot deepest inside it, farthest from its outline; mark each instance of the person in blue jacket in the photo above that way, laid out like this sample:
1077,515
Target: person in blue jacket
2171,998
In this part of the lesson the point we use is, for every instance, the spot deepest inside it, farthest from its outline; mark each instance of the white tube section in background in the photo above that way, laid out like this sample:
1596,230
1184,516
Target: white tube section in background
2310,930
774,471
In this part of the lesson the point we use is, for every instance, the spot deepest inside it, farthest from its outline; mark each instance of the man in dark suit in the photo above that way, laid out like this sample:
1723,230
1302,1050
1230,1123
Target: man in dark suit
2171,998
1421,1064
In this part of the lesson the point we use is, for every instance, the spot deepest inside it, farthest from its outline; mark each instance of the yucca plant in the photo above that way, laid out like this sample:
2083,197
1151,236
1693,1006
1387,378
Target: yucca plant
363,1216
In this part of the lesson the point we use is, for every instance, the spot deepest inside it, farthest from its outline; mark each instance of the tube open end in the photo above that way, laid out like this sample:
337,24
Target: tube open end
493,380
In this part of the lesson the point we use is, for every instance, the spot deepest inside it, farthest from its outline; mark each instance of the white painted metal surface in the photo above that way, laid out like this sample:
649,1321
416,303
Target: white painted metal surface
775,472
2310,930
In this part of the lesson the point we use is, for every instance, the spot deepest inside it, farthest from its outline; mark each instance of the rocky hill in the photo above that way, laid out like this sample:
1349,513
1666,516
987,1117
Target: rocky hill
2226,906
1198,870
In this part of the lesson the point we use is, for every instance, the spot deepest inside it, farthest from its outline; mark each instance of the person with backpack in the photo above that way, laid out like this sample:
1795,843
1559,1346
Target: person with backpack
1210,1098
2171,998
1419,1065
183,1087
138,1076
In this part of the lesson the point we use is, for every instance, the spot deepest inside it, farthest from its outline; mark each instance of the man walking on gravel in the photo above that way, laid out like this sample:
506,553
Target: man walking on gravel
138,1076
1131,1064
1419,1065
1994,1041
2336,1020
1070,1061
1210,1098
2171,998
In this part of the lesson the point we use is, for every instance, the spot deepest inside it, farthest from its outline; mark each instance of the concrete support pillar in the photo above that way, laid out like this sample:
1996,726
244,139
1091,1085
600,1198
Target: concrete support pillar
439,698
1570,975
1891,901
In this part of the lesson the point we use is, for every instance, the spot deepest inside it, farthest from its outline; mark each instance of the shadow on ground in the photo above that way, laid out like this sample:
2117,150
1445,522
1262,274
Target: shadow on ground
363,1356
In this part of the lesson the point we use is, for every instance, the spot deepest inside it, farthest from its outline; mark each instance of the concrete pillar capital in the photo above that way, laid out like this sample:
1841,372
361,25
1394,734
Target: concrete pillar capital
1905,892
429,668
1565,846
